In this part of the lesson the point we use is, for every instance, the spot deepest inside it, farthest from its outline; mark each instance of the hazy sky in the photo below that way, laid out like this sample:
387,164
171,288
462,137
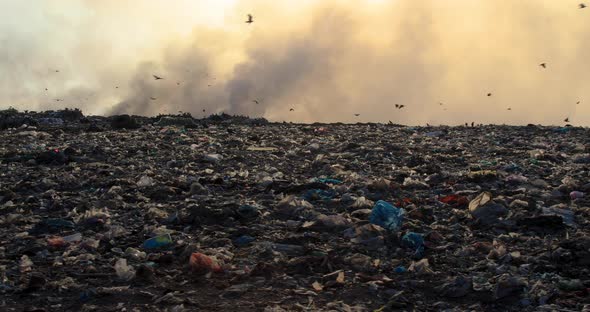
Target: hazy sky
326,59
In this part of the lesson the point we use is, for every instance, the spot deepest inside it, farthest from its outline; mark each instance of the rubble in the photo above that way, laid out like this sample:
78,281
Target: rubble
173,213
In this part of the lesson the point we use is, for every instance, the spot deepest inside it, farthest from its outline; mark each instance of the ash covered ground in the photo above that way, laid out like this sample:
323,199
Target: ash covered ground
229,213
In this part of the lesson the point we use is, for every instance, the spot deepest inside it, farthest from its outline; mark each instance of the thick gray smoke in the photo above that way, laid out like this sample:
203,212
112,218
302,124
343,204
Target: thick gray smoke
327,60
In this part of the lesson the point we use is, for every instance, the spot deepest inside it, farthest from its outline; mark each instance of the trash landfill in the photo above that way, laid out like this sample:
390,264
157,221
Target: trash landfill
226,213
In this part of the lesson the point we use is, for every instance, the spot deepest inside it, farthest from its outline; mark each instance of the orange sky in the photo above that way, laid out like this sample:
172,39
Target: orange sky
326,59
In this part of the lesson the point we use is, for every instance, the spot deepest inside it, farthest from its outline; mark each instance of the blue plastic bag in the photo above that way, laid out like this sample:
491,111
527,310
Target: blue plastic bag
387,216
244,240
414,241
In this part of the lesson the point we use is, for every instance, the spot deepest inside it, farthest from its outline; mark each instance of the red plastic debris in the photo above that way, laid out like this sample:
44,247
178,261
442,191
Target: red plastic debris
455,200
201,263
56,242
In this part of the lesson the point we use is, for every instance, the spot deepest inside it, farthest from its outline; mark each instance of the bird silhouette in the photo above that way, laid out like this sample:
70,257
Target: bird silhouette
544,65
157,77
292,110
396,105
59,100
578,102
567,119
489,94
178,83
401,106
153,98
582,6
57,70
509,108
440,103
250,19
203,111
117,87
46,89
357,115
256,101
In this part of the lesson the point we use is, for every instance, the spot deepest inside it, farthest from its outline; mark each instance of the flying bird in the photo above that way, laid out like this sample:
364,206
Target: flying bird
203,111
292,110
544,65
178,83
440,103
489,94
567,119
157,77
357,115
578,102
45,89
250,19
153,98
401,106
117,87
59,100
396,105
509,108
256,101
582,6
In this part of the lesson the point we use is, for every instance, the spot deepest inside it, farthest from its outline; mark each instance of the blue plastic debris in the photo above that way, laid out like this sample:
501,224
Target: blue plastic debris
244,240
329,181
414,241
387,216
562,130
157,242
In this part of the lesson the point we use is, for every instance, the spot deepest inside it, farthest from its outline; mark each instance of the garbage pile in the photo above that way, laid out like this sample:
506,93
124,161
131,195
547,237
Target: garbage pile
130,213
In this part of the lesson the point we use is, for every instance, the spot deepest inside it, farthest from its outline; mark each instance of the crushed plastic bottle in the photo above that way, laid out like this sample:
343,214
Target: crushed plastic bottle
387,216
124,272
135,254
